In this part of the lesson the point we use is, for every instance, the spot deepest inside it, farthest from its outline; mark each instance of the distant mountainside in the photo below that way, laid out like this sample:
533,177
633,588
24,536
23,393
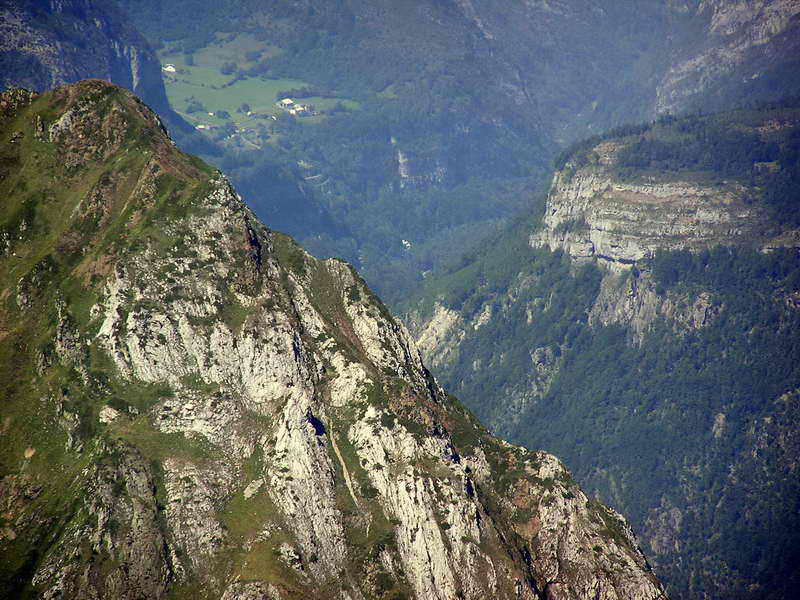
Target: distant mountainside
645,326
551,64
435,149
745,52
462,104
200,409
46,44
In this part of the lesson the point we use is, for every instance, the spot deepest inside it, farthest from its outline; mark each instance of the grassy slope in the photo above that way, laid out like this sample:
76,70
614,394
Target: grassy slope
204,81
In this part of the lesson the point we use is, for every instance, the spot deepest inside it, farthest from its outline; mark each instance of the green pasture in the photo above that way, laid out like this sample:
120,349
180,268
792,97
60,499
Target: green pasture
203,81
228,48
258,93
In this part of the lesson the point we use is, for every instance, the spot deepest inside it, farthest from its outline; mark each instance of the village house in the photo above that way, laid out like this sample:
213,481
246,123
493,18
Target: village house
295,109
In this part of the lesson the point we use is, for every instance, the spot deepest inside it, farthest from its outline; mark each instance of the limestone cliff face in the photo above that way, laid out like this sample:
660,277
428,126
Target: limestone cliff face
597,214
413,170
592,287
203,409
594,214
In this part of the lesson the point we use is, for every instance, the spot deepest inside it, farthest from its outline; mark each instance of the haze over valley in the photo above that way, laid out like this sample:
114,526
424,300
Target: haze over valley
369,299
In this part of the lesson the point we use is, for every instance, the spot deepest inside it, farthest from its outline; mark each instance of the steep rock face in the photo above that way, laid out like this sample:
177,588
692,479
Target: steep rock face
594,214
745,48
120,522
228,417
417,170
47,44
635,303
597,213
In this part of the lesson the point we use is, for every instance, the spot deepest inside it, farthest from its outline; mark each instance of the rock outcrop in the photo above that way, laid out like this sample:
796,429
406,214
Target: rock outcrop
199,407
630,324
594,214
47,44
745,50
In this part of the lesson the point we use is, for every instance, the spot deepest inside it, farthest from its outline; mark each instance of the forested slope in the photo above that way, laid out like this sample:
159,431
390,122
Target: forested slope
645,325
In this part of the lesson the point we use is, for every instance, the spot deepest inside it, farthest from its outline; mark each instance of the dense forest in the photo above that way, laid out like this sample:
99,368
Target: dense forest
628,418
694,419
650,408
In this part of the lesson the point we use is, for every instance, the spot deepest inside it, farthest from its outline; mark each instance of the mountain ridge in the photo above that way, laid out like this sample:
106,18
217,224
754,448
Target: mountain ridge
202,409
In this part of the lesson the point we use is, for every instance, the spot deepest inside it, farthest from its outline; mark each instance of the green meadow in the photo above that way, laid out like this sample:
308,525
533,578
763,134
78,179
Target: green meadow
203,81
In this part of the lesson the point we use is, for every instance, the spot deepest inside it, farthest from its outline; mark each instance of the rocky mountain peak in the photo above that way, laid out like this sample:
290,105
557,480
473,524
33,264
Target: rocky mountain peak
202,409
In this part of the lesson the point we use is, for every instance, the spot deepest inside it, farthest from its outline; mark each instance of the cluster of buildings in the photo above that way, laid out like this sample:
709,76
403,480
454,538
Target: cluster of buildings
298,110
287,104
